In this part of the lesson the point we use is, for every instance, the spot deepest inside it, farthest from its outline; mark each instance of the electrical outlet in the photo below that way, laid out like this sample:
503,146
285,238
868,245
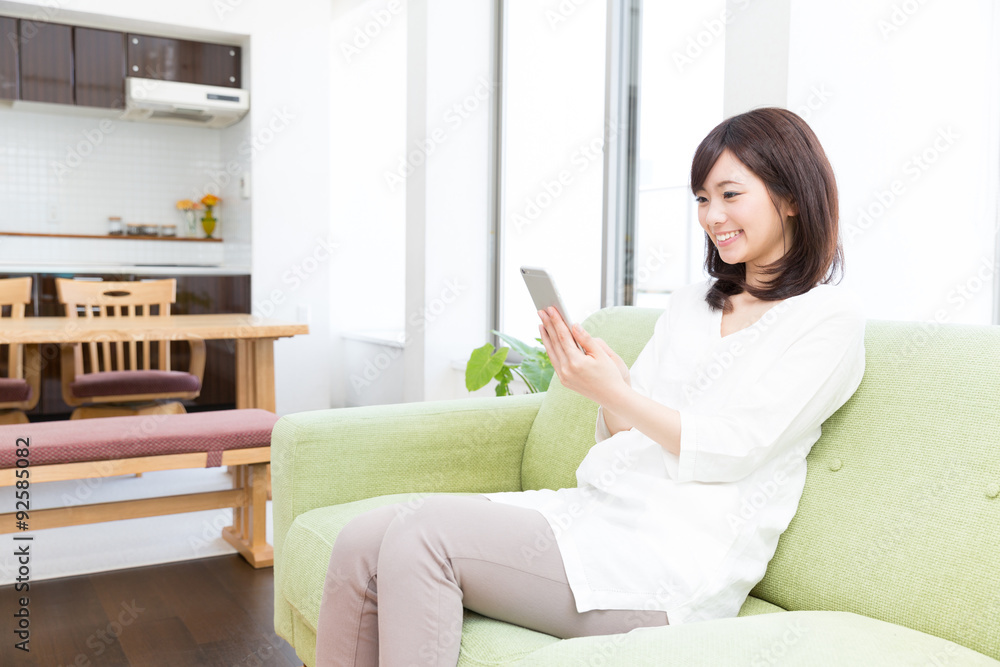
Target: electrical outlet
245,185
52,213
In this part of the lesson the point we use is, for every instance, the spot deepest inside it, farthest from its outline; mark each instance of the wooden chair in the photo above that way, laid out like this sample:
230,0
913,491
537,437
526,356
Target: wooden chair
124,378
19,391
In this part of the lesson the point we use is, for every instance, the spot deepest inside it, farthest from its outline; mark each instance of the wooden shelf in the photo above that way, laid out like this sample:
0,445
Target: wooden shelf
108,236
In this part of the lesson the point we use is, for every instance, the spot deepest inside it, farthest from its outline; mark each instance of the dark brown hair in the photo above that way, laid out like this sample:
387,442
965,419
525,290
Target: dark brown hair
781,150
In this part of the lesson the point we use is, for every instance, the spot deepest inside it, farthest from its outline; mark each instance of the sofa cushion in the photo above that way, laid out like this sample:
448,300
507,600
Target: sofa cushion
307,554
900,514
131,383
563,431
307,550
827,638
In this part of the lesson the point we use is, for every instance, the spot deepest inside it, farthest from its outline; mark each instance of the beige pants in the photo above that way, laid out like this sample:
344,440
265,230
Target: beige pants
399,576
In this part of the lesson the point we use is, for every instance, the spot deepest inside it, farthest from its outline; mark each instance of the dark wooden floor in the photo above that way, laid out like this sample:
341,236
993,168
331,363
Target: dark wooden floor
213,611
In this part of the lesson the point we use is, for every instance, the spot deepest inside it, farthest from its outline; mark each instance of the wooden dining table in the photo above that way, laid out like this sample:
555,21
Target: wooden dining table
254,338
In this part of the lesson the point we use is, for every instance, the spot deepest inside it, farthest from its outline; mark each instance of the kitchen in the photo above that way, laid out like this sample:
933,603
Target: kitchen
67,170
88,155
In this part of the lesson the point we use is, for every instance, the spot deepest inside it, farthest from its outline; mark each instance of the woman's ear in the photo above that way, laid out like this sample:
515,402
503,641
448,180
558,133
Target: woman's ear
792,208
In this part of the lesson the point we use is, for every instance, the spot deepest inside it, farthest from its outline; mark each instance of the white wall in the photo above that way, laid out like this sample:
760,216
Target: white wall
368,199
757,53
411,152
451,309
286,51
903,97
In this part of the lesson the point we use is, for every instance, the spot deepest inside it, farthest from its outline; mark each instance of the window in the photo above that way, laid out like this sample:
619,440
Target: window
552,158
682,48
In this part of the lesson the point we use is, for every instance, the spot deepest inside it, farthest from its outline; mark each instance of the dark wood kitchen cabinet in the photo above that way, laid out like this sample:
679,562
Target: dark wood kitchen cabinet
183,60
99,70
196,295
46,61
8,58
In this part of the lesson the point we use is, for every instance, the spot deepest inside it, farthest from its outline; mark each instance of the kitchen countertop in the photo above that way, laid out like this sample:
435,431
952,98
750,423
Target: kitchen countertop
148,269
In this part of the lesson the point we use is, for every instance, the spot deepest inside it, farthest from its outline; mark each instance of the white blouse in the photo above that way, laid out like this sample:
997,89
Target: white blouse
691,535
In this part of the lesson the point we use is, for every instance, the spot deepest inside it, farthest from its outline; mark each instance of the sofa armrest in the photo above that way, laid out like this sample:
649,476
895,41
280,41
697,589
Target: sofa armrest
328,457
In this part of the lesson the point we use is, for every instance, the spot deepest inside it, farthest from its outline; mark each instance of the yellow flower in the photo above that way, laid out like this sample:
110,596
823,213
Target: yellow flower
185,204
210,200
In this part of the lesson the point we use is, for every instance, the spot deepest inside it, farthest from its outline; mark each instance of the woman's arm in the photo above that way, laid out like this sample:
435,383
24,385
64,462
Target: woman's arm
802,387
625,408
598,375
613,422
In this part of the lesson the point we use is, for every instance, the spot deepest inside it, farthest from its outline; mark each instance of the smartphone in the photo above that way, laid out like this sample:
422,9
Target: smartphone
544,293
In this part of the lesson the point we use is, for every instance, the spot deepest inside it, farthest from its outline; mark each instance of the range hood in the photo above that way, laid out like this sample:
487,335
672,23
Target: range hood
190,104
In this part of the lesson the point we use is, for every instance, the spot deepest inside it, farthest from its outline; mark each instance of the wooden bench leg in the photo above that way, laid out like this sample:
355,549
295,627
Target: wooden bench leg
249,530
13,417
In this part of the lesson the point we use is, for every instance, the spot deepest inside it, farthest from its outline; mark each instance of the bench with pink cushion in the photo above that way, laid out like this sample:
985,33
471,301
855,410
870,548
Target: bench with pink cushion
108,446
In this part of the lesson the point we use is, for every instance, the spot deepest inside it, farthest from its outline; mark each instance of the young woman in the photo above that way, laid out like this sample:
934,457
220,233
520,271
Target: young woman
699,461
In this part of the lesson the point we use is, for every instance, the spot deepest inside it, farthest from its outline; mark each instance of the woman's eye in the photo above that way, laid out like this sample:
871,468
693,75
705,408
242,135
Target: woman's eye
700,200
729,195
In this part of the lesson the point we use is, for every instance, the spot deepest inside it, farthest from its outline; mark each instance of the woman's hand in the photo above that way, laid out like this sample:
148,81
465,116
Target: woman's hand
592,373
619,362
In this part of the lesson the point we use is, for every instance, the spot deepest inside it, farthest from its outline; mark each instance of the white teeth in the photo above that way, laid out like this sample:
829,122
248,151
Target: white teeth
728,236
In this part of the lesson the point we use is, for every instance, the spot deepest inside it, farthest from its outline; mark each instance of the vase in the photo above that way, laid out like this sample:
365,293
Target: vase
208,222
190,223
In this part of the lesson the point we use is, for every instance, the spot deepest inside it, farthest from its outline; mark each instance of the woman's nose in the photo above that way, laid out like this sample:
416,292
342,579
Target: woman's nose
715,215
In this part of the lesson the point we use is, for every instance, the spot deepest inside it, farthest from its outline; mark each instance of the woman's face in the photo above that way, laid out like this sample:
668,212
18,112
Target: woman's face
733,199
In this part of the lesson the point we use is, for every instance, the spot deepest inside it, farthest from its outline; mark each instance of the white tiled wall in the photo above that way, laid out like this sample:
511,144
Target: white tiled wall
62,173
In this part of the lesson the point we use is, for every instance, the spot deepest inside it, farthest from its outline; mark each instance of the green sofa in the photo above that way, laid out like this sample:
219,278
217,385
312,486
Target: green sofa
892,559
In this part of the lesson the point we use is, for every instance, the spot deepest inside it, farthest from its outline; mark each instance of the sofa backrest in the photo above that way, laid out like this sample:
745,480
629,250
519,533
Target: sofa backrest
900,517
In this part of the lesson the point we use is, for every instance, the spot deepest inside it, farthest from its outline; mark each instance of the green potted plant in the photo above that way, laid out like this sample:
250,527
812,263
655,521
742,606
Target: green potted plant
487,364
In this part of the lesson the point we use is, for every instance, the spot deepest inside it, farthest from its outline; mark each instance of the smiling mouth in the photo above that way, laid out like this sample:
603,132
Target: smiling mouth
728,237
